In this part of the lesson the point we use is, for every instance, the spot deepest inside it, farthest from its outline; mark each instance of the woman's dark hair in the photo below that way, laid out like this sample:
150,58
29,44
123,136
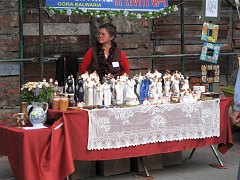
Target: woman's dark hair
105,64
111,29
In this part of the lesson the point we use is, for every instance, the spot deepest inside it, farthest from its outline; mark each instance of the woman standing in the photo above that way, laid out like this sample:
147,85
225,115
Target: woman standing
106,57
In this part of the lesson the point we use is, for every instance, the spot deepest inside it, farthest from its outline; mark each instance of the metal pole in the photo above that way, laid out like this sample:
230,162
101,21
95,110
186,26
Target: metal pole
144,167
216,154
182,36
41,45
21,42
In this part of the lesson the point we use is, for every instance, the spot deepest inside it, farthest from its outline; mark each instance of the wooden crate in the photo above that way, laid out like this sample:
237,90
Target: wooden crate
113,167
83,169
172,158
153,162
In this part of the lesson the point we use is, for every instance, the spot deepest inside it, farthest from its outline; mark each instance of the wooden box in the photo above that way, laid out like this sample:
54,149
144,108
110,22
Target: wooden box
113,167
152,162
172,158
83,169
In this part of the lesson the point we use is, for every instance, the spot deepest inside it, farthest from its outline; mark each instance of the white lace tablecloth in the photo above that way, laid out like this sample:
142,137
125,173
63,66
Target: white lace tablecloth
124,127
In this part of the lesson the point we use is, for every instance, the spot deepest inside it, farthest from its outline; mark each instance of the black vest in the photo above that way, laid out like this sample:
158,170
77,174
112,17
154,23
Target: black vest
113,70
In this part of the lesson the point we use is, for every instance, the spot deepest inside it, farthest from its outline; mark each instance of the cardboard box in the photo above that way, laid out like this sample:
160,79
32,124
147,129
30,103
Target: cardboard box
83,169
172,158
113,167
152,162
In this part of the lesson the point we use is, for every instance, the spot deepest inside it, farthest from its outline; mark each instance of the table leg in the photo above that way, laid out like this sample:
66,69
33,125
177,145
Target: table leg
144,167
190,156
216,154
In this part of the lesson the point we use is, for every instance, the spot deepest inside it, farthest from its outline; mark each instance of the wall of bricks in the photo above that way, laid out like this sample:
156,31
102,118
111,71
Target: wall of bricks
9,72
9,91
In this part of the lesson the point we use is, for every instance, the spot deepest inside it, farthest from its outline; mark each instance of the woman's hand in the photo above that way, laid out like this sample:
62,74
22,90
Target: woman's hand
236,117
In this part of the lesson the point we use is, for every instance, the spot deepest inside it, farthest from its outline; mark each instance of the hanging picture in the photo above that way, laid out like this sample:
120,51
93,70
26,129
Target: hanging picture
210,73
211,10
210,52
209,32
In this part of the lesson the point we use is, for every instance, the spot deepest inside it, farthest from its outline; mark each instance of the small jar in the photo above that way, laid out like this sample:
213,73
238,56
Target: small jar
72,102
56,103
63,103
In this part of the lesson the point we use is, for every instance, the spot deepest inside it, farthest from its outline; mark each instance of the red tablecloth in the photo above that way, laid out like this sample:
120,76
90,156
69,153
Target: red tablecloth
48,153
42,154
76,122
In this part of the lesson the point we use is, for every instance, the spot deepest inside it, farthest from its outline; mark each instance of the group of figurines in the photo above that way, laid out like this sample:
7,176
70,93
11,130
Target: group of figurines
146,89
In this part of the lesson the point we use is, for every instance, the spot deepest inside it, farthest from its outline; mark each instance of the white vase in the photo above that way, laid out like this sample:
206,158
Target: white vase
37,115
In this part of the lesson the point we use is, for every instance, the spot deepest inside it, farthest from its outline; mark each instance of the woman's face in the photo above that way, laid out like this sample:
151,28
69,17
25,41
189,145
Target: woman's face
104,37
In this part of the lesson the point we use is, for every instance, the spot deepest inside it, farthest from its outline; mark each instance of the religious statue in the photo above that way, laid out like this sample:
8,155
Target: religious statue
70,85
144,90
99,94
131,98
80,90
89,93
107,94
119,86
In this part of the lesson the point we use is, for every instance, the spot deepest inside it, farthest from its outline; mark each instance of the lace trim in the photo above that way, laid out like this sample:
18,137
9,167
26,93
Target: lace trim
124,127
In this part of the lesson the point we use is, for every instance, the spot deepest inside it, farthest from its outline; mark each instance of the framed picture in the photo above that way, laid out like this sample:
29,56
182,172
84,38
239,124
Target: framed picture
210,73
209,32
211,10
210,52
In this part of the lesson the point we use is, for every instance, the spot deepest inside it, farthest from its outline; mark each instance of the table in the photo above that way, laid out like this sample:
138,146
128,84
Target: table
37,154
49,153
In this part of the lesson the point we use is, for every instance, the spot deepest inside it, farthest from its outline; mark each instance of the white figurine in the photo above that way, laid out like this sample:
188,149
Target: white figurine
185,84
157,74
99,94
85,78
107,94
153,92
140,78
167,86
159,88
119,91
94,77
175,83
123,80
89,93
131,98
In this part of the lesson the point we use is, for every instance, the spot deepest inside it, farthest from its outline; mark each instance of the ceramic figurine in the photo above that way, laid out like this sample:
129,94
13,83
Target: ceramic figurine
157,74
89,93
175,83
131,98
80,90
159,87
185,84
70,89
153,92
136,86
119,87
123,80
107,94
144,90
99,94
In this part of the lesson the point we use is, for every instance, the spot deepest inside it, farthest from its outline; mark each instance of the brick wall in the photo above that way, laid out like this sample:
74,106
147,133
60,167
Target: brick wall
9,91
9,72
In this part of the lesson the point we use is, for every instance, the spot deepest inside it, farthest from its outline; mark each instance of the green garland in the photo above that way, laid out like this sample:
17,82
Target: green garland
155,14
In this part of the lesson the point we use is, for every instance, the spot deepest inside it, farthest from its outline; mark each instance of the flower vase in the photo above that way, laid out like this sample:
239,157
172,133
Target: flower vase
37,115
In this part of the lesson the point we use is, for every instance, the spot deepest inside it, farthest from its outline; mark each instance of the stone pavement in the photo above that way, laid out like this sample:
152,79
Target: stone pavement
196,168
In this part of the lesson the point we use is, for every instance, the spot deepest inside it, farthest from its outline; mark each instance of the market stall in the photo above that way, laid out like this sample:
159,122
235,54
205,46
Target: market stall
38,153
